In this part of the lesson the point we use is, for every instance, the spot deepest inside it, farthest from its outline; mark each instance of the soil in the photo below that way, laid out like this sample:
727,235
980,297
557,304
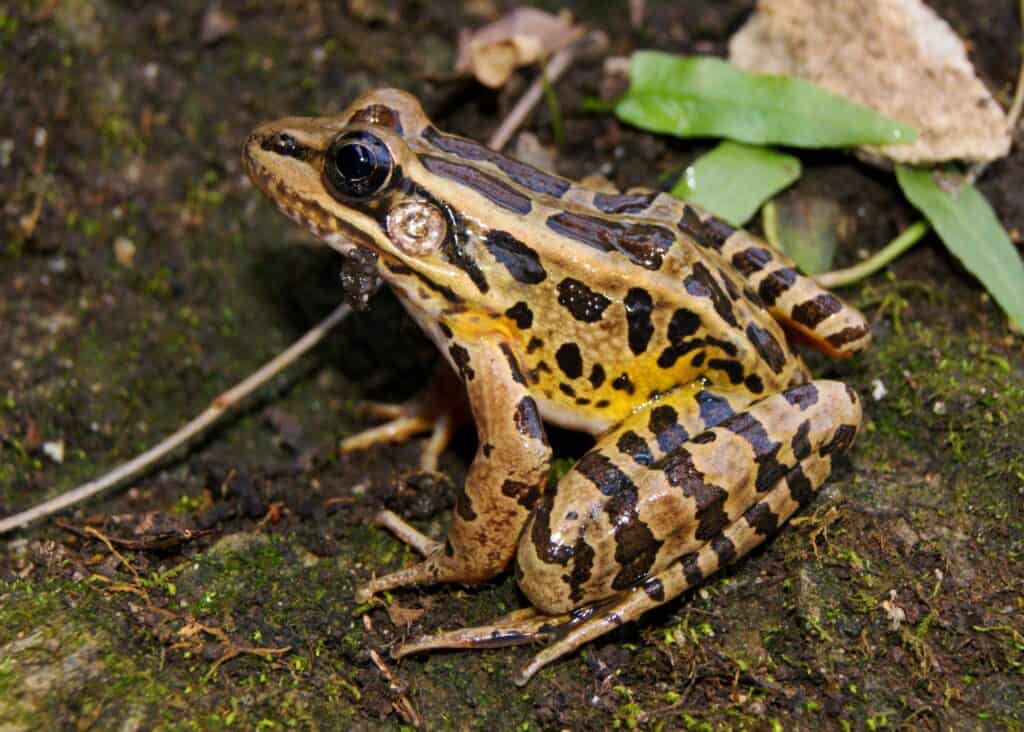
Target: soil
141,275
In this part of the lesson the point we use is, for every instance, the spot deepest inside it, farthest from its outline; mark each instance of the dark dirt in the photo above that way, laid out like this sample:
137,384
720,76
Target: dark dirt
141,275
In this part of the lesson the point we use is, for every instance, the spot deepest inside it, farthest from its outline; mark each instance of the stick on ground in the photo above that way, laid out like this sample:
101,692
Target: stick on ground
136,466
217,409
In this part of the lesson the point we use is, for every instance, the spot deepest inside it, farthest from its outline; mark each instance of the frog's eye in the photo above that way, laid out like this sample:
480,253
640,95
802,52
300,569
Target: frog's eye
358,165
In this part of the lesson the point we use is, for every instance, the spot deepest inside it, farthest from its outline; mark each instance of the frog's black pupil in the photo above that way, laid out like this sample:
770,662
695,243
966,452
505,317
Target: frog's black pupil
354,162
357,165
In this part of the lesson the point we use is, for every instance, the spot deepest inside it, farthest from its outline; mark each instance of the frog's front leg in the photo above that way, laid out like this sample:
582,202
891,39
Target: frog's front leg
502,486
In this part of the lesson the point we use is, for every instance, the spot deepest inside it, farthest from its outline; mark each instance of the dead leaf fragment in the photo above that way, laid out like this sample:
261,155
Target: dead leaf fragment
124,251
217,25
529,150
897,615
33,438
374,11
524,36
403,617
895,56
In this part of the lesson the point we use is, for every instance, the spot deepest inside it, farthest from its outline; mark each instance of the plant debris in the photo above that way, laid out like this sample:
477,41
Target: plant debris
523,37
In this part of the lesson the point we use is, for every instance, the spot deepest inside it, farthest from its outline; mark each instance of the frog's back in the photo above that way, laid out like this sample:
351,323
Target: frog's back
632,307
608,298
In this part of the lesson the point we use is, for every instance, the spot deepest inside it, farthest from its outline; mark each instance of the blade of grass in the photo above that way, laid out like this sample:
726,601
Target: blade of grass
842,277
555,110
970,230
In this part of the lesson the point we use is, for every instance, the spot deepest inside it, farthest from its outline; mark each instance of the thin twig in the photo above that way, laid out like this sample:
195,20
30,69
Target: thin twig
515,118
841,277
97,534
402,705
218,407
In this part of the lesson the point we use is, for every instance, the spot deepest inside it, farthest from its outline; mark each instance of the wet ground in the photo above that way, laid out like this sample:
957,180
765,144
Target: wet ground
141,275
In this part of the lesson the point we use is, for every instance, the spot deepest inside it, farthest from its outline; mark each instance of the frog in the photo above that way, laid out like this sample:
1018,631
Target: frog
638,318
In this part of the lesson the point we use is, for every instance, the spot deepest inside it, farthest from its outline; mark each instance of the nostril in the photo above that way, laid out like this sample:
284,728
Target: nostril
283,144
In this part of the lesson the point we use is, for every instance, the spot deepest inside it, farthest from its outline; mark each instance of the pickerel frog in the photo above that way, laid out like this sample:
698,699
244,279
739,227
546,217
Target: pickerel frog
637,318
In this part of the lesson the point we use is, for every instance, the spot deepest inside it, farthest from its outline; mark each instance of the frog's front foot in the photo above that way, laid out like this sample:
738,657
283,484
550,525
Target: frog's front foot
425,571
441,410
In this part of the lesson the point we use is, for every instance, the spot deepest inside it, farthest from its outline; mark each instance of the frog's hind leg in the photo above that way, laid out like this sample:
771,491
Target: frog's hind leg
807,311
568,631
758,523
790,440
441,410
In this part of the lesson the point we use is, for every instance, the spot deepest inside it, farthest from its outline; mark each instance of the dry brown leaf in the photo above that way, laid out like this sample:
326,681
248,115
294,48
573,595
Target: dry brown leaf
529,150
522,37
403,617
33,439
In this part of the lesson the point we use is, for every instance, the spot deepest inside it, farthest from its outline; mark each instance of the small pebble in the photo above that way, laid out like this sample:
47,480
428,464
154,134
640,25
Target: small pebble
216,25
54,450
124,251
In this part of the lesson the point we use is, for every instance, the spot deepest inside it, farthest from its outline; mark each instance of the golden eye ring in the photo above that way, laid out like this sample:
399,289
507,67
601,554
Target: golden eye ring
416,227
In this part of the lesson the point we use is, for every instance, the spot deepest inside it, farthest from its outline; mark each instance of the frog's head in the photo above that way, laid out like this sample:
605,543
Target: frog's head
358,180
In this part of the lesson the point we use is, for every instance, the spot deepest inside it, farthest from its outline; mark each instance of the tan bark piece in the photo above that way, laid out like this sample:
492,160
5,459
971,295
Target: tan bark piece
895,56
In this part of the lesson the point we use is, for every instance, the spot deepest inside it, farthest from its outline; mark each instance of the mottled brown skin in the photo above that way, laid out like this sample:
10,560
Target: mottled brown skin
634,317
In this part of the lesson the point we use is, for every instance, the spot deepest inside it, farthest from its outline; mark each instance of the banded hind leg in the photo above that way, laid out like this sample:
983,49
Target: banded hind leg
643,438
658,529
808,312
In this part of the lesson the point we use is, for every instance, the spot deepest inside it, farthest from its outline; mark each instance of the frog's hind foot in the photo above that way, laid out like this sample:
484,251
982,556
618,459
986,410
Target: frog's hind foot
515,629
403,428
423,572
440,410
758,523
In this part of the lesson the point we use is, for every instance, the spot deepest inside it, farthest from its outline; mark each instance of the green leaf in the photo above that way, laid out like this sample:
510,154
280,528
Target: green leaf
733,180
703,96
969,228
